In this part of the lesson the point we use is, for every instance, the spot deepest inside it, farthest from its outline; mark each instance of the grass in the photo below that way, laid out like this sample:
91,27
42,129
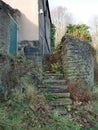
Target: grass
29,111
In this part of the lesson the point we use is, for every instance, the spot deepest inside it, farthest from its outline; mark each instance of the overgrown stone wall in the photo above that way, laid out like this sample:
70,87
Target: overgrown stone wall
31,49
14,69
29,44
78,59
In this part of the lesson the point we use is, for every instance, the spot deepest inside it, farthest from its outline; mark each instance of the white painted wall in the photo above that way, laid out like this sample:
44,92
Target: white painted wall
29,21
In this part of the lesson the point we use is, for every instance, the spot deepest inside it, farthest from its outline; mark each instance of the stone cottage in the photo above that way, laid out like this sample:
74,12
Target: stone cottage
78,59
32,26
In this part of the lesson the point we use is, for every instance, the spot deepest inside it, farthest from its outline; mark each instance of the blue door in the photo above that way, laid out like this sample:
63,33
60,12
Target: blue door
13,38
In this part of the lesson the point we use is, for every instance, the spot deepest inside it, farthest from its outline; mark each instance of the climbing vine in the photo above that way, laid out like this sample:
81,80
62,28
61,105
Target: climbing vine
53,30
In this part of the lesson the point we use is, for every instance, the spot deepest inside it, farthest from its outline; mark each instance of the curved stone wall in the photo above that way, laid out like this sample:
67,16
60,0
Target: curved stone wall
77,59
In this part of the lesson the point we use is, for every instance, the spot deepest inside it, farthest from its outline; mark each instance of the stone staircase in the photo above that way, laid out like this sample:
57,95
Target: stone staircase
54,88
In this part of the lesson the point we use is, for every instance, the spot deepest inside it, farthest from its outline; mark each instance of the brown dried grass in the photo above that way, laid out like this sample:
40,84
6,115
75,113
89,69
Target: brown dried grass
79,91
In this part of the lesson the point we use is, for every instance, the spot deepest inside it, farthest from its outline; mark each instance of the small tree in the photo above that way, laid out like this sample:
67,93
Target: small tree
94,30
61,18
80,31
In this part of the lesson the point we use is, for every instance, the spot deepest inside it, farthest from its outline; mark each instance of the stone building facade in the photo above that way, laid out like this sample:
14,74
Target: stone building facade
78,59
8,29
34,25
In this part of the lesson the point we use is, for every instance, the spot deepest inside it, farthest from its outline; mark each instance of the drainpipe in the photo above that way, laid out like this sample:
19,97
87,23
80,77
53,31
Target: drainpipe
45,19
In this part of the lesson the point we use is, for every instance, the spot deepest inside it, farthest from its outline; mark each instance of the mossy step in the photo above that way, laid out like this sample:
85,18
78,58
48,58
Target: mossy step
53,76
53,86
53,90
54,82
61,103
59,95
58,111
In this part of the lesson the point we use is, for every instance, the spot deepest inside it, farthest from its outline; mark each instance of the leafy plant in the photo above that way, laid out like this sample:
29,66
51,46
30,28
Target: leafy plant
53,63
80,31
57,68
53,31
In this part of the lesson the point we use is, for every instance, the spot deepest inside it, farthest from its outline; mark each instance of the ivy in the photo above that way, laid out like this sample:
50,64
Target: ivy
53,31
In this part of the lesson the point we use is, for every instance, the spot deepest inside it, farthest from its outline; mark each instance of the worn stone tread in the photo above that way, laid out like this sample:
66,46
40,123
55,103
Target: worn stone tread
53,90
53,76
60,103
59,95
57,86
48,81
61,112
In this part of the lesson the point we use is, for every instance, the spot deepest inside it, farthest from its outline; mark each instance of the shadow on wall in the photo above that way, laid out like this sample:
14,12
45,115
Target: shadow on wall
27,29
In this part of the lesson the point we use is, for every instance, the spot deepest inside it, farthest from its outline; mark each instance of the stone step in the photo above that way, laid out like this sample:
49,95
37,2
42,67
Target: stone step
53,90
60,103
53,76
59,95
54,82
58,111
53,86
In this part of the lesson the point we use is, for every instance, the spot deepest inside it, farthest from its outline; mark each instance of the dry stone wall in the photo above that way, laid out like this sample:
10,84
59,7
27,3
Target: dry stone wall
77,59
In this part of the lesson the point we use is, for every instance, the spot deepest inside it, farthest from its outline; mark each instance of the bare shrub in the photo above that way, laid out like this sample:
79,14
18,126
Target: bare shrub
79,91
